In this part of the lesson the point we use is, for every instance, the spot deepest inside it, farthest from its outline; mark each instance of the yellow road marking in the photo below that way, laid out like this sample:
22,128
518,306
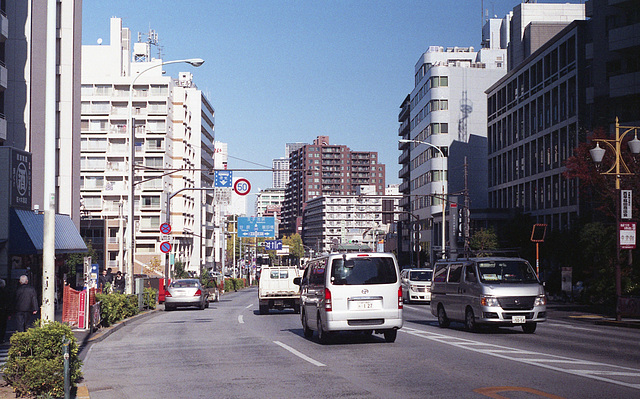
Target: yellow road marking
492,392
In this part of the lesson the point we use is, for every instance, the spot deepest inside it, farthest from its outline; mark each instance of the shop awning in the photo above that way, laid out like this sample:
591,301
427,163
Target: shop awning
26,234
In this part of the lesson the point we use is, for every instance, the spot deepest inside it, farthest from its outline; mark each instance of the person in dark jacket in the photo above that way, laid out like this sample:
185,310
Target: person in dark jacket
102,282
118,283
26,304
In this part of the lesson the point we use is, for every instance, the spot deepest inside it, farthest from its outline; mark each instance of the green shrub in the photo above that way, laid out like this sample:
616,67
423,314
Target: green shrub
35,363
233,284
150,298
115,307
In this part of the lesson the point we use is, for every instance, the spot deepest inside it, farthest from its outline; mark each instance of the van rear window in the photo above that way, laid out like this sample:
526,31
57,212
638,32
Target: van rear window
506,272
363,271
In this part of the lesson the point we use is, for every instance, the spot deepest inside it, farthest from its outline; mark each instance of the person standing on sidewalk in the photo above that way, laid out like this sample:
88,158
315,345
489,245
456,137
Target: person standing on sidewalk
4,309
26,304
119,282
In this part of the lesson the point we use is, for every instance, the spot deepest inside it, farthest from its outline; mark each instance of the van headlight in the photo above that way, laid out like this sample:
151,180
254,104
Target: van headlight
541,300
489,301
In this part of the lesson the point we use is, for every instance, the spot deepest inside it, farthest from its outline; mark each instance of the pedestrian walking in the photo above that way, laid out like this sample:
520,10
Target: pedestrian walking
26,304
103,280
4,309
119,282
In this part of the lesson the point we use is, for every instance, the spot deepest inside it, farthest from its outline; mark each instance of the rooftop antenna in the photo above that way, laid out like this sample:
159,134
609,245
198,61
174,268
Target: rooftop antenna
151,40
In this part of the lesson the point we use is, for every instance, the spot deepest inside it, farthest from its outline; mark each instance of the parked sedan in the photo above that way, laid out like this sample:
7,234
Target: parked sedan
185,293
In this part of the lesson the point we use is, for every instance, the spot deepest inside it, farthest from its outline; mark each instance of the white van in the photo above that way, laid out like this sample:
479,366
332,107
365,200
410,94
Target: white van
490,291
351,292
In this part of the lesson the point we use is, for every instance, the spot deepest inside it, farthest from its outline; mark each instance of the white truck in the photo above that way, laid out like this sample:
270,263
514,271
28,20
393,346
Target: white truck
276,289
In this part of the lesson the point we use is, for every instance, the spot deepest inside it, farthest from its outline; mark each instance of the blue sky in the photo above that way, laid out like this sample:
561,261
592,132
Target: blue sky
281,71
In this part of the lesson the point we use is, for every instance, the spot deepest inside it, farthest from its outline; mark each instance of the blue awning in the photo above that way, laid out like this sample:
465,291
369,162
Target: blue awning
27,231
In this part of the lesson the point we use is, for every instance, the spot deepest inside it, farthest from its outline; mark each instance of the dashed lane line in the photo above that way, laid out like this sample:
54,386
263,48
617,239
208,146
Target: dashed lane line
623,376
300,354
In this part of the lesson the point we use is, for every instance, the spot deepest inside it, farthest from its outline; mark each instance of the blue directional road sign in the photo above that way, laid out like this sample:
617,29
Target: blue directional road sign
256,227
223,178
273,245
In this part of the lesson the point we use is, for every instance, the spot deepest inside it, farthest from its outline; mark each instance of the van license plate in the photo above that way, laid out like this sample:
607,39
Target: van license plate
518,319
362,305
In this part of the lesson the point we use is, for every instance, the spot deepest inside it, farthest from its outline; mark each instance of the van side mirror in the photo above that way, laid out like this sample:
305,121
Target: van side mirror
297,280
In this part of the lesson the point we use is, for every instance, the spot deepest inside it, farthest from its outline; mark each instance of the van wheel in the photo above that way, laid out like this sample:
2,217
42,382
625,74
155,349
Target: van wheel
529,328
390,335
443,320
323,336
470,320
308,333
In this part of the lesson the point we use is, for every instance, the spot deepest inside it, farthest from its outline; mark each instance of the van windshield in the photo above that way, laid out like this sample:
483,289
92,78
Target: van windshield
506,272
420,275
363,270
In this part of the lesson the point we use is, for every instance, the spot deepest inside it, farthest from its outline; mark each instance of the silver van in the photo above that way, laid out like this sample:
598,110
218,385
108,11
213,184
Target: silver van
490,291
351,292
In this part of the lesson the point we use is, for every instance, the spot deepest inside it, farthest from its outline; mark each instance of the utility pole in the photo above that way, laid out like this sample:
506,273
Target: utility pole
466,212
49,228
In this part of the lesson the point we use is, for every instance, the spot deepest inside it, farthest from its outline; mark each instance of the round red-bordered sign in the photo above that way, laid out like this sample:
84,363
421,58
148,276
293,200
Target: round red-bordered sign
242,186
165,228
165,247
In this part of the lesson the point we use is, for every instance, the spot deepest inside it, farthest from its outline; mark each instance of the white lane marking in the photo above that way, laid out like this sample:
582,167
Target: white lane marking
249,306
570,327
584,368
300,355
240,319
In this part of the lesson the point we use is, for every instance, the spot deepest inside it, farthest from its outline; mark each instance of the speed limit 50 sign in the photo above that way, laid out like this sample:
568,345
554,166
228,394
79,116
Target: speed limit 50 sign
242,186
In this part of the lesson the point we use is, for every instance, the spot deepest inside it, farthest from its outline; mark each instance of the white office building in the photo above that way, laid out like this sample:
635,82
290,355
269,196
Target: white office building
448,111
174,130
332,220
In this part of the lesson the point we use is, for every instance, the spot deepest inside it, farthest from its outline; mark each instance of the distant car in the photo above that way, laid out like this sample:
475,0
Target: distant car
185,293
416,285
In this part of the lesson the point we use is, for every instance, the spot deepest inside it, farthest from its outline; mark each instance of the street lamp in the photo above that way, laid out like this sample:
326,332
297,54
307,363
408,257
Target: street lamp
444,189
618,169
196,62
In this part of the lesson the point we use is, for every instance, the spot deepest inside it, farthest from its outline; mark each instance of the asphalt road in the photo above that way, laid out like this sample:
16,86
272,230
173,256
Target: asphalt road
230,351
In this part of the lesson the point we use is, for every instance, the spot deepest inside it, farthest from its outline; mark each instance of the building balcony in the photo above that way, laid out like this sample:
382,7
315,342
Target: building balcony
3,127
625,37
404,172
3,76
623,85
404,157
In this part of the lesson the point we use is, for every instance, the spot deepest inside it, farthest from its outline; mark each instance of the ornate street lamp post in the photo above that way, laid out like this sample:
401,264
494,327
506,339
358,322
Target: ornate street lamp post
619,168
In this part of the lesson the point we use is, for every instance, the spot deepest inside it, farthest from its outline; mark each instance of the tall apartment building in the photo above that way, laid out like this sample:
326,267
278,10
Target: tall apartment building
280,172
332,220
23,38
269,202
281,166
447,110
322,169
174,129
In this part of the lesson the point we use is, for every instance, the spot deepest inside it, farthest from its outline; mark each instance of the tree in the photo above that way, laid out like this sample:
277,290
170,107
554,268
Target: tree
484,241
74,260
598,238
296,248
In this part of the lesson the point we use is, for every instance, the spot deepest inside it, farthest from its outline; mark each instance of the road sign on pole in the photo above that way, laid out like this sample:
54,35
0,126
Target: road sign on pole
165,247
242,186
165,228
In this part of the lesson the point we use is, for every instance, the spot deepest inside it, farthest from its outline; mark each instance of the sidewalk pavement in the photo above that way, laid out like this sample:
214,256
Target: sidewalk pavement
85,339
589,314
